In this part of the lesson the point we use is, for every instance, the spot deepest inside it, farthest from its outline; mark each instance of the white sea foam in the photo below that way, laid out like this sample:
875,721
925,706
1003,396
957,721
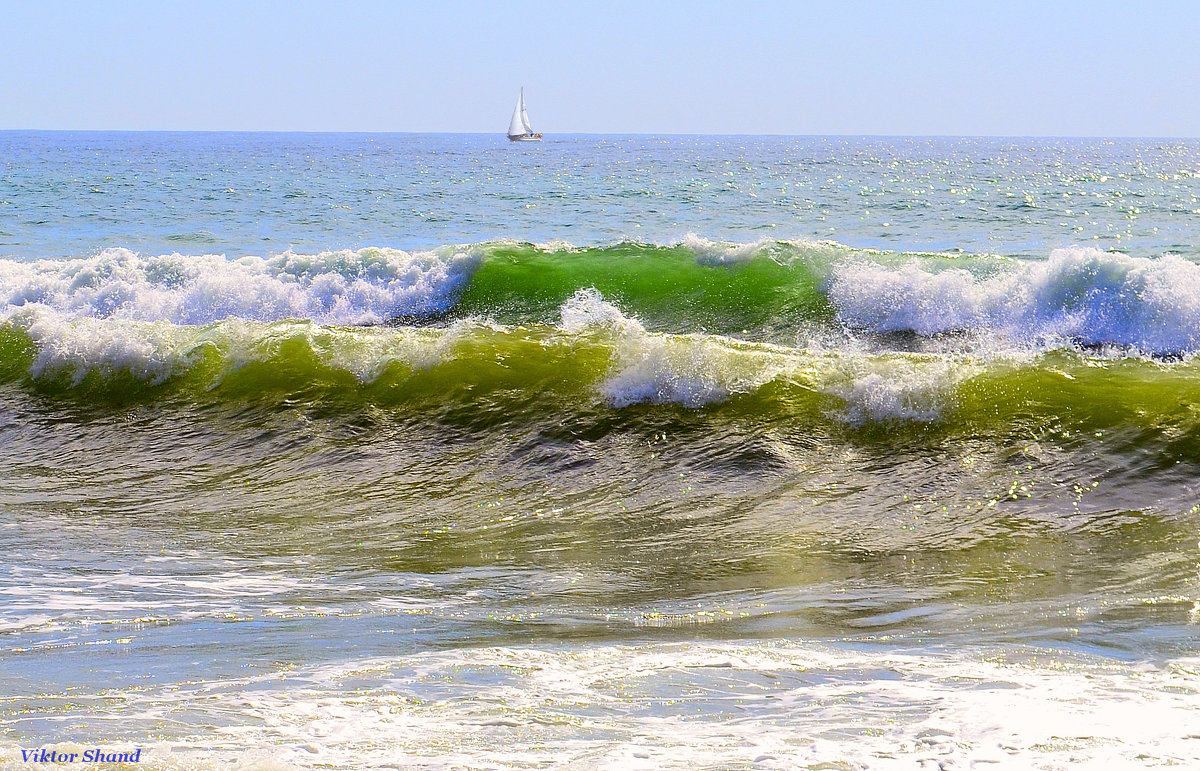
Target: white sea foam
154,317
679,705
78,346
718,252
694,370
691,370
876,396
817,254
1078,294
345,287
368,353
155,352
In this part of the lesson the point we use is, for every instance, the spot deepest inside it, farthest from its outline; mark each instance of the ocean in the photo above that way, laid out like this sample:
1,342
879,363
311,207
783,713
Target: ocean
440,452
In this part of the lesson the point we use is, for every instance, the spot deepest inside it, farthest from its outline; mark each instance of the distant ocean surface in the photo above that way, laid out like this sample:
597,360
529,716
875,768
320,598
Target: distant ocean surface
438,451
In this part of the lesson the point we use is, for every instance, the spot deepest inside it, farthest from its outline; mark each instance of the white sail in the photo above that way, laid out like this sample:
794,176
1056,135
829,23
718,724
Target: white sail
519,129
519,124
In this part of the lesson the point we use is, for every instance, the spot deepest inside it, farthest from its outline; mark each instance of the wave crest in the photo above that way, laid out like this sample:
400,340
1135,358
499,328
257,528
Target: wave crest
367,286
1078,294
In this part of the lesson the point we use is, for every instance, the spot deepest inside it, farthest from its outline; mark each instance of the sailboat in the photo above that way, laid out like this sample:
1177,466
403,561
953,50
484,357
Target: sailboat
519,129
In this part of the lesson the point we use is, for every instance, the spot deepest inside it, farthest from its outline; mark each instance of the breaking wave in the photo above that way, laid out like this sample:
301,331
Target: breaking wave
1082,295
815,331
367,286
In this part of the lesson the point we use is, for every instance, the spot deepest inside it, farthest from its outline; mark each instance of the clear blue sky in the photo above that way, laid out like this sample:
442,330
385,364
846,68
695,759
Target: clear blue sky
1007,68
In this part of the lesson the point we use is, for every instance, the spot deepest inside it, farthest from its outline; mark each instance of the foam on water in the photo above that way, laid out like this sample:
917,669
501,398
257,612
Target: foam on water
155,352
718,253
694,370
691,370
817,254
80,346
1078,294
891,388
368,286
684,705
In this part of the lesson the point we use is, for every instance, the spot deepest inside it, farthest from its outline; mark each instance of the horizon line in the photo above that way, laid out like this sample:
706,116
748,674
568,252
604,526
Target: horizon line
593,133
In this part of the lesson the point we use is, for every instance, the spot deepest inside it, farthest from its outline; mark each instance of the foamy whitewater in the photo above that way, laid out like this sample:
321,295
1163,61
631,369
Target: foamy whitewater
401,451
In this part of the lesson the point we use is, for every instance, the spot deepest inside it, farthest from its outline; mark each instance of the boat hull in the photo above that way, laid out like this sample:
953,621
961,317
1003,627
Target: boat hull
525,138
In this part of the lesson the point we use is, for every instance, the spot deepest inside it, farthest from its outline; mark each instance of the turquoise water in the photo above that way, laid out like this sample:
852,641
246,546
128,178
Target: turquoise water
362,451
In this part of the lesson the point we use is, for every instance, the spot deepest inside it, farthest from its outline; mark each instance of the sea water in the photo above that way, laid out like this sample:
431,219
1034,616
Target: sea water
437,451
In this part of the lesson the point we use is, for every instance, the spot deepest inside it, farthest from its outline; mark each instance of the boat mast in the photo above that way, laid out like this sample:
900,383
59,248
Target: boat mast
525,114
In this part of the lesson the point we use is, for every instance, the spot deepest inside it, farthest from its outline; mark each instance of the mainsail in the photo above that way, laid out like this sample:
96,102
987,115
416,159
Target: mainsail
520,119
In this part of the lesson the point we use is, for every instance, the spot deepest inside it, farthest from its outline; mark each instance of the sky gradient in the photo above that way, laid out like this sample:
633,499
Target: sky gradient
1017,68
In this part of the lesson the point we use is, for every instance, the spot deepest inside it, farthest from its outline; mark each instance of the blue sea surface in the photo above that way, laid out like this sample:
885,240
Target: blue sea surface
71,194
